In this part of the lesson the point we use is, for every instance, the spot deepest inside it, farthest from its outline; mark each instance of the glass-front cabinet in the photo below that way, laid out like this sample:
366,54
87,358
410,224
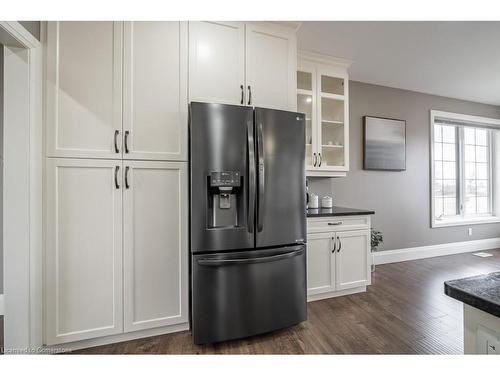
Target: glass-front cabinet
322,94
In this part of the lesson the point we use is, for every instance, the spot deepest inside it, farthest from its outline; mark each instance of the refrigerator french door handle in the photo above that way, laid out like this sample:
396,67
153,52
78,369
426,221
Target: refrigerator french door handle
251,177
227,262
260,156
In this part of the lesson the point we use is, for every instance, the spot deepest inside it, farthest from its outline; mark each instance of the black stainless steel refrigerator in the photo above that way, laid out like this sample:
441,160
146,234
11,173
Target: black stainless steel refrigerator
247,221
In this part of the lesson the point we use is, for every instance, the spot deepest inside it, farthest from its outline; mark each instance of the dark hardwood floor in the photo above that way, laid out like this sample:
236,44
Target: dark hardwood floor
404,311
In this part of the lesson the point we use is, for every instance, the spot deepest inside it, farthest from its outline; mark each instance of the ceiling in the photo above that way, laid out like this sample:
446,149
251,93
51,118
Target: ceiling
453,59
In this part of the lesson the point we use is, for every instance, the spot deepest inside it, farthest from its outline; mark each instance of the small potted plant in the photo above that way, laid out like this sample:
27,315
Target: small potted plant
376,239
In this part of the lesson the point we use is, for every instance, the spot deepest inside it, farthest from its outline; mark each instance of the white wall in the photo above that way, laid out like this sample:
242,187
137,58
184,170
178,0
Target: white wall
1,169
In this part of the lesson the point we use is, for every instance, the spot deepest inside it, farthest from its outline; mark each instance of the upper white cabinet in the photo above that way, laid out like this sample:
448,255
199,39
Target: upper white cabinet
83,255
271,61
155,244
323,95
155,91
241,63
94,67
84,92
217,62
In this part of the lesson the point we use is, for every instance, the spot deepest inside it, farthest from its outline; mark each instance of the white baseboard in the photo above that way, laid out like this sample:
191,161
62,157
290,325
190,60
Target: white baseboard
89,343
1,305
421,252
317,297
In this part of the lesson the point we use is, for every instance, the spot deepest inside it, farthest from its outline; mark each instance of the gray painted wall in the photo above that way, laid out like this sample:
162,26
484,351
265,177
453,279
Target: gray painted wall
33,27
401,200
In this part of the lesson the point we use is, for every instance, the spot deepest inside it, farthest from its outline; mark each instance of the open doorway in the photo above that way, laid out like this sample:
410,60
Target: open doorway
20,188
1,200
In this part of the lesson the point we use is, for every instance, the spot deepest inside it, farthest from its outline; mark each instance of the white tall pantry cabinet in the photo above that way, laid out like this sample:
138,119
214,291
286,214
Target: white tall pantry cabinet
116,179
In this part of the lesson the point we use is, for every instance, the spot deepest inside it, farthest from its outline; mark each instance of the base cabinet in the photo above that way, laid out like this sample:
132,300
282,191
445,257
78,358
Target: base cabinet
116,251
155,243
320,264
83,277
352,266
338,262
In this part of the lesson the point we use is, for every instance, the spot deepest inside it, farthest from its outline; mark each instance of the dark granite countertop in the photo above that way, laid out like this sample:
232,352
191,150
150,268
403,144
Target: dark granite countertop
337,211
481,292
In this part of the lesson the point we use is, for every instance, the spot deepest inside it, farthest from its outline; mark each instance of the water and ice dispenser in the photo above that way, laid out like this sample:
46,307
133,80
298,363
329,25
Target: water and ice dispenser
225,199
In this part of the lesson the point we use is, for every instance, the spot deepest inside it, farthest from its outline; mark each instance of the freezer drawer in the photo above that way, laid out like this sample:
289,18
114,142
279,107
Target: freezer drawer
241,294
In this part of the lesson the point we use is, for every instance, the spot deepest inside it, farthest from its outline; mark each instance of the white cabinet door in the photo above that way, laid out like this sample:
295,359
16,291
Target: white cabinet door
217,62
84,89
271,67
320,263
352,263
83,282
155,244
155,90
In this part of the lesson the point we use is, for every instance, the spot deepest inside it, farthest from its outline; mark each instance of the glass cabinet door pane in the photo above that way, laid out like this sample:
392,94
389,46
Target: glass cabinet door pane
332,156
332,110
332,132
332,85
304,81
304,105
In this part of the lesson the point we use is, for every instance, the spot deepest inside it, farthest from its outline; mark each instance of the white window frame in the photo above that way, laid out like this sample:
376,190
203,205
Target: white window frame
459,220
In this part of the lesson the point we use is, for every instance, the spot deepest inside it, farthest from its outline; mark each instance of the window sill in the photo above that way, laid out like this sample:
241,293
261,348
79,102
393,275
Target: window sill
465,221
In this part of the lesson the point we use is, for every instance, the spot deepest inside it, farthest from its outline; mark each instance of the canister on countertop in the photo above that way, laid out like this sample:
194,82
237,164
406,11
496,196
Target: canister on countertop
327,202
313,201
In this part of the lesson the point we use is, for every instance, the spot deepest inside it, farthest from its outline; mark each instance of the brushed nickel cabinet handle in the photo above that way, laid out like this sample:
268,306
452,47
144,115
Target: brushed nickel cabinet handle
242,94
249,95
336,223
315,159
320,159
340,245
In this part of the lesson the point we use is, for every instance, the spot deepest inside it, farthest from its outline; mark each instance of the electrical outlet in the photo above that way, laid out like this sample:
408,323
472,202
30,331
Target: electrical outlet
469,231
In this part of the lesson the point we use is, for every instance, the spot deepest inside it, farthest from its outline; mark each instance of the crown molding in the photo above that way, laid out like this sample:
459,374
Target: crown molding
324,59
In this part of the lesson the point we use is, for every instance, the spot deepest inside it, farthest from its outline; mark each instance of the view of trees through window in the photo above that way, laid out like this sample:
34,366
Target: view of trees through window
461,171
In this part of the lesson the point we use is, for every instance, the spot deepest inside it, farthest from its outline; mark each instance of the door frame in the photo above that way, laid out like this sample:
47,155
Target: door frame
22,249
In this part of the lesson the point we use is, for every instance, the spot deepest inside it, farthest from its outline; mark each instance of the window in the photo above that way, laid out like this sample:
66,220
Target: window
462,159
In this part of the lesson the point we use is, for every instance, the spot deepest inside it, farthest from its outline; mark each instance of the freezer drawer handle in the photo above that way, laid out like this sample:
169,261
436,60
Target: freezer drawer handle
227,262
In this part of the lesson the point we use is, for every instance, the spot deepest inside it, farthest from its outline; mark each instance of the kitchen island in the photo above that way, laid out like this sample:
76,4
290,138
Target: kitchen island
481,298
